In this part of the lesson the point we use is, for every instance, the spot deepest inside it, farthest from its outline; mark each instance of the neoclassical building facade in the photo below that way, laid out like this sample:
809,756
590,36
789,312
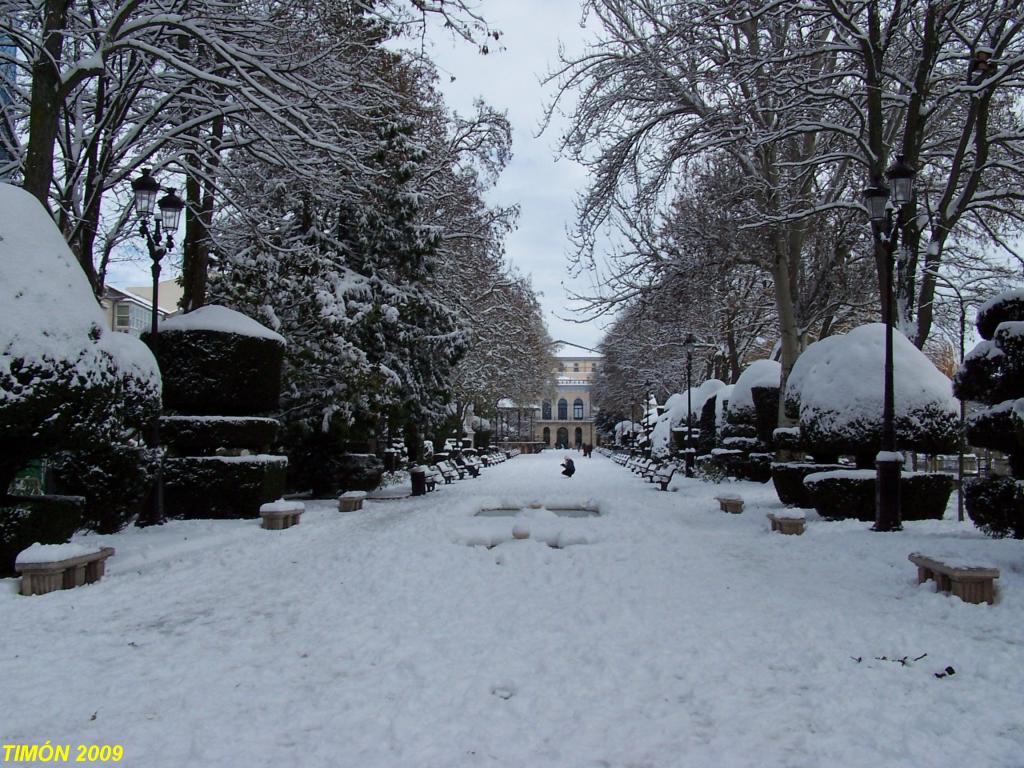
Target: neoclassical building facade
566,416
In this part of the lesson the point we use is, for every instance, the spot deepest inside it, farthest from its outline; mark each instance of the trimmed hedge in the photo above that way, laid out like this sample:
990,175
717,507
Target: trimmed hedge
996,505
24,520
1004,308
706,425
113,480
788,478
203,435
852,496
730,429
222,487
756,467
219,374
766,412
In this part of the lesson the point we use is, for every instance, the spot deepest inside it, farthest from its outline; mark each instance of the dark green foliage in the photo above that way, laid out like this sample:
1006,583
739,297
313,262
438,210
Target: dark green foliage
327,464
930,429
996,505
25,520
112,478
766,412
203,436
741,465
852,496
1008,309
994,428
229,487
737,430
788,479
52,408
788,440
982,377
216,373
706,438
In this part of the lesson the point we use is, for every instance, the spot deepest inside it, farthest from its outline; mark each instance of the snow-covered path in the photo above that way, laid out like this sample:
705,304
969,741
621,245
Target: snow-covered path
676,636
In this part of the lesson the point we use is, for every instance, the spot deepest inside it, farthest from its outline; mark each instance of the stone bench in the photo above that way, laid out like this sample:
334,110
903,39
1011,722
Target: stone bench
728,503
281,514
972,585
350,501
791,526
43,568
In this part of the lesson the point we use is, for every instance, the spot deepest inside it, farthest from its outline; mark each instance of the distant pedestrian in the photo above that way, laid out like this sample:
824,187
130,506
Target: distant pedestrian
568,468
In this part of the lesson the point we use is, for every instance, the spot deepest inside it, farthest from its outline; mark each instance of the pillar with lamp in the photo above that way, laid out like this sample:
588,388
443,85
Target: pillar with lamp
689,343
900,176
159,240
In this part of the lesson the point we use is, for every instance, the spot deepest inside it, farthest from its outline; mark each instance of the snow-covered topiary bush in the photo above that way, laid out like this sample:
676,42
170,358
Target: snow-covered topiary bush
841,396
850,494
993,374
760,373
66,383
216,361
674,417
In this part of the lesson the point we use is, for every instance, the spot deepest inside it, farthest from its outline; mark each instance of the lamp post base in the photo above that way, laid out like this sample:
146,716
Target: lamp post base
887,492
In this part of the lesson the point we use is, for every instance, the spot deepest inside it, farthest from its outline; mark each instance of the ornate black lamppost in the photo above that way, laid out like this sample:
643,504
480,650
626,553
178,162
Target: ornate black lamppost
888,464
688,344
158,241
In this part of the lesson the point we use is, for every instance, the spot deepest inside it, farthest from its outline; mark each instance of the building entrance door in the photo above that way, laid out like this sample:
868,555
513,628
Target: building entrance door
563,438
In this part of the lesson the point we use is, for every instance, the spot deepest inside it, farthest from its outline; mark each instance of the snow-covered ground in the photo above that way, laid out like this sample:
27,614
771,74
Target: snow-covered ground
676,635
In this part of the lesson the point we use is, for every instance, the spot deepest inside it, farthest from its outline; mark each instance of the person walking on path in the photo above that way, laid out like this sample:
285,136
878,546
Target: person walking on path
568,468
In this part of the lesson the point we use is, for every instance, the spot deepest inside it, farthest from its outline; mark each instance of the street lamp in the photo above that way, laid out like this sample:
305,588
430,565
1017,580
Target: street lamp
888,464
158,242
688,344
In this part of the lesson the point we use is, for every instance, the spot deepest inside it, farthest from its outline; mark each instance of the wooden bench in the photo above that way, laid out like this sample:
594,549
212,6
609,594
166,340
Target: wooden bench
972,585
732,504
350,501
791,526
280,515
448,472
664,475
40,577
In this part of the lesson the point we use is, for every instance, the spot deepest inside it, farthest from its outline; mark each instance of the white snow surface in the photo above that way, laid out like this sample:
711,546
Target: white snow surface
47,310
214,317
51,553
380,639
760,373
845,384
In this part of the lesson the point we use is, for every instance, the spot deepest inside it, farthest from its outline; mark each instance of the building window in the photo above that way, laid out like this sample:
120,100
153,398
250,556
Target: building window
122,315
577,409
576,367
563,410
545,409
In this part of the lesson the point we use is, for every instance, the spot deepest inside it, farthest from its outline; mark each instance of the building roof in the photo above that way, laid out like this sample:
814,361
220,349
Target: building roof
567,350
170,295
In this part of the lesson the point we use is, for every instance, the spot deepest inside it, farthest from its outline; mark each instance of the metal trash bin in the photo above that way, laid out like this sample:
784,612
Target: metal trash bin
419,481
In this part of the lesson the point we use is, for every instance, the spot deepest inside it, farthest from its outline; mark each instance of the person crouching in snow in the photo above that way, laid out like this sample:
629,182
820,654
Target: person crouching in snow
568,468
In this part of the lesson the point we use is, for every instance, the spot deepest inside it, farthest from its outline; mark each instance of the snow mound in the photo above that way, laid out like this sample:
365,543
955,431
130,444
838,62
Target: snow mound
214,317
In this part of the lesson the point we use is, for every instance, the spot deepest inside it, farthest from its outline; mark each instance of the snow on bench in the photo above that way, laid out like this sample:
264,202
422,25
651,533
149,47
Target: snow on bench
350,501
49,567
970,584
279,515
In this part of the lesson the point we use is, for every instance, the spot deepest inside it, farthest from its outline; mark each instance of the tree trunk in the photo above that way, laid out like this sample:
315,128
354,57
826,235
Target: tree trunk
44,110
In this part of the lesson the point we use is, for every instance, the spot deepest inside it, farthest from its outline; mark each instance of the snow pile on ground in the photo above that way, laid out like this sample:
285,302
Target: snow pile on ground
679,635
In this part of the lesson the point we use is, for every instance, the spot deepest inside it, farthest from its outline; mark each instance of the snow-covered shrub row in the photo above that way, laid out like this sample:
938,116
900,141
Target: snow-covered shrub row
204,435
840,392
30,519
674,416
993,374
788,478
222,486
760,373
66,383
850,494
766,411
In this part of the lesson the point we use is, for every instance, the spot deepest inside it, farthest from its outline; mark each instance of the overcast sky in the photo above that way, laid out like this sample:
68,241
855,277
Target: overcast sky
543,186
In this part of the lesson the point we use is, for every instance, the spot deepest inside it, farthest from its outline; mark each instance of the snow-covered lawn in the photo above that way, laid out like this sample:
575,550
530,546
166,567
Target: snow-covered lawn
677,635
